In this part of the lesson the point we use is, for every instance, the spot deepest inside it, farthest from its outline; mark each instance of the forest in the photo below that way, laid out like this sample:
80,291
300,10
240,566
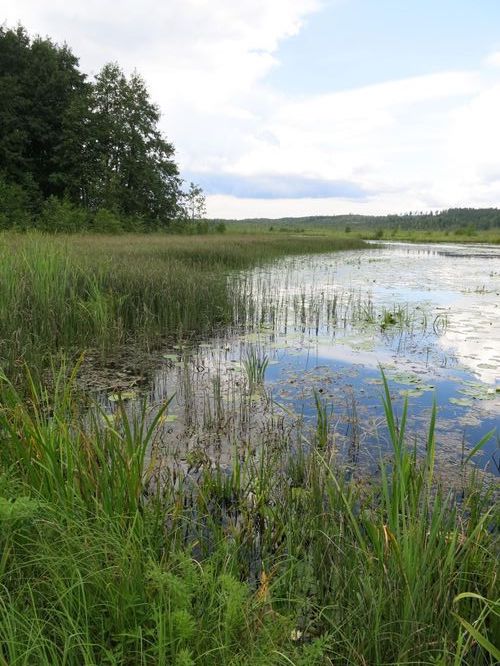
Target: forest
465,219
81,152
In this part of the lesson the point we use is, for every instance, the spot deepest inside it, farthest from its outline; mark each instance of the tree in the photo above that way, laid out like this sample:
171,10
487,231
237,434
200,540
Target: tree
95,144
136,173
39,82
195,203
14,55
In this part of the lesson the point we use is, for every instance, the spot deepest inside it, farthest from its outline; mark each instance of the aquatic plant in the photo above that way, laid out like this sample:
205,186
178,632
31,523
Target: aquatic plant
75,292
255,365
277,558
322,421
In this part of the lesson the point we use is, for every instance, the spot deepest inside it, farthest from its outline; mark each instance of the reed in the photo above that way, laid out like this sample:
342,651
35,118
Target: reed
255,365
276,558
78,292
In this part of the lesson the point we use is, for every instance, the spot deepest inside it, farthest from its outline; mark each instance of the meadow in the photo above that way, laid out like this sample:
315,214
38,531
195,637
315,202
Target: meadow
372,231
110,556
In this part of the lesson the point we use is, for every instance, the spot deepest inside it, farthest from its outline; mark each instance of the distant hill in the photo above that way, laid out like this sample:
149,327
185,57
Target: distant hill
454,218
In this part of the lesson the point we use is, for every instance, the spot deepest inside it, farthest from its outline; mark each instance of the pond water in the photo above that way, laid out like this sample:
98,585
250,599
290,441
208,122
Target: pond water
320,328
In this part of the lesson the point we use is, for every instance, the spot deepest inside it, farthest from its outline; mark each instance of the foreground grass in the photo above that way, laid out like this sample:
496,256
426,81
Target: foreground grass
68,293
278,560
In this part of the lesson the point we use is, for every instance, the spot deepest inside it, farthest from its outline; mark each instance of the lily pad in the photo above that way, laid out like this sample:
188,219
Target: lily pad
124,395
461,402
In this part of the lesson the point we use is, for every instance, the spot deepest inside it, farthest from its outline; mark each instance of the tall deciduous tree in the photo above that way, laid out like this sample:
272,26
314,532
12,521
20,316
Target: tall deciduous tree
136,172
96,144
39,82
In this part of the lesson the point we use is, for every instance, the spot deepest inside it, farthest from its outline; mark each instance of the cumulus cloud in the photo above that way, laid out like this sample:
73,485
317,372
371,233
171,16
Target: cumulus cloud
204,60
423,142
493,59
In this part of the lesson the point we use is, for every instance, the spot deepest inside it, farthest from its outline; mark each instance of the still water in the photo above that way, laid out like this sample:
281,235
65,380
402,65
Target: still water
324,326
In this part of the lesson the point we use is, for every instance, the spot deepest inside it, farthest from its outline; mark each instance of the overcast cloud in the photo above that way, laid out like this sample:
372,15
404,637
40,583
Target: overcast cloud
416,142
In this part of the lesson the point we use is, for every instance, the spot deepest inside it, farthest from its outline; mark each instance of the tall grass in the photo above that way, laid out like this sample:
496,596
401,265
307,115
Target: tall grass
277,559
70,293
255,365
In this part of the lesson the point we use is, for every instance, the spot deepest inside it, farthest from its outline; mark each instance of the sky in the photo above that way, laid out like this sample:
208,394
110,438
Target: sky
308,107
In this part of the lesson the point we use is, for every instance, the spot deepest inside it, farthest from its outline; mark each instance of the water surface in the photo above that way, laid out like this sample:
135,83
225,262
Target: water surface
429,315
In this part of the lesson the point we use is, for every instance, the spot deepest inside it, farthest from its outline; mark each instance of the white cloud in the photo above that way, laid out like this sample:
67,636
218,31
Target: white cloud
203,59
493,59
424,142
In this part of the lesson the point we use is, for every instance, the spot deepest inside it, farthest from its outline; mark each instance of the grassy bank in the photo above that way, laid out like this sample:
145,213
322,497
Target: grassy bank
490,236
277,560
373,232
69,293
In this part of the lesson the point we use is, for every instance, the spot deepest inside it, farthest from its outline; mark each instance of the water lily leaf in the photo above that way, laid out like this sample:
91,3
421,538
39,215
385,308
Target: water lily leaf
461,402
124,395
412,393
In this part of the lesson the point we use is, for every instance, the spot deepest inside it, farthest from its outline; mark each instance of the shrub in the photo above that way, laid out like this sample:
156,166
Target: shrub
105,221
14,206
60,215
202,227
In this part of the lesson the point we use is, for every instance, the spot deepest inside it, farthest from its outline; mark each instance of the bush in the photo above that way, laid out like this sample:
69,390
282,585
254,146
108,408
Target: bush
106,222
469,230
202,227
14,206
60,215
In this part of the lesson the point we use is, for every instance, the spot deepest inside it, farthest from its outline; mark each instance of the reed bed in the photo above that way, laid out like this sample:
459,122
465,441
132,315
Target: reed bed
70,293
274,559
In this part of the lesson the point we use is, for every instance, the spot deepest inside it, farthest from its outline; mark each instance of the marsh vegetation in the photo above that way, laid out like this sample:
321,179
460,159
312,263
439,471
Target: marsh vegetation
260,443
225,476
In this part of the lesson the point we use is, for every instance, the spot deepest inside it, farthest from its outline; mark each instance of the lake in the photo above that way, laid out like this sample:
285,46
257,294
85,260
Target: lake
319,329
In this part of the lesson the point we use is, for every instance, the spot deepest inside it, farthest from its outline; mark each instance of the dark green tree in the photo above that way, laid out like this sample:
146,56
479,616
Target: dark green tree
14,104
94,144
39,84
136,172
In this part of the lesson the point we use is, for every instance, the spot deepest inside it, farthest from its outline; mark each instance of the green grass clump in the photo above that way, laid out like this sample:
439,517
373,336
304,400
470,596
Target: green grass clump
277,560
255,365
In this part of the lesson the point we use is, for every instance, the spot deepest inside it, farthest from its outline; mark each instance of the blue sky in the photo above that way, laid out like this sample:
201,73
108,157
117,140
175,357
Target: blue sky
296,107
353,43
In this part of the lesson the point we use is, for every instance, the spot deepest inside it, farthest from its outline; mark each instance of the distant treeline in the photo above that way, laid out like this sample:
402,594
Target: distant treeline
454,218
76,152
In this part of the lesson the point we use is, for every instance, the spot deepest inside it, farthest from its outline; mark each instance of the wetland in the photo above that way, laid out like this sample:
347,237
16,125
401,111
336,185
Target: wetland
264,449
325,325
